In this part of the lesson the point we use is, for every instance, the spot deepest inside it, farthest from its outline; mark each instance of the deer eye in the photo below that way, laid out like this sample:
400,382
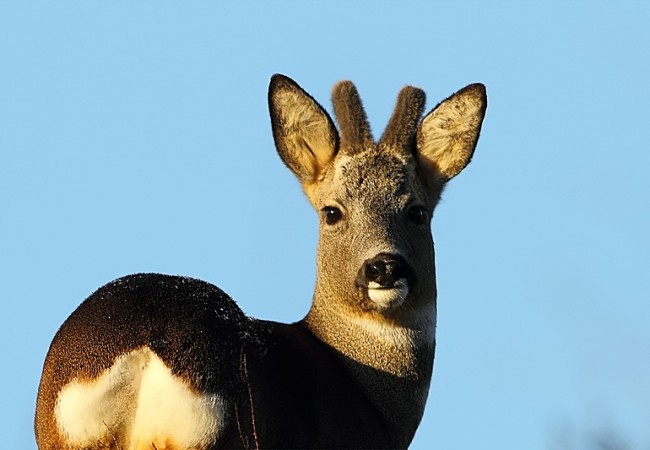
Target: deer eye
332,214
417,215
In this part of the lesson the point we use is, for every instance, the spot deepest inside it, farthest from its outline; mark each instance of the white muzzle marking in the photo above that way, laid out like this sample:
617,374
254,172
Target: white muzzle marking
387,298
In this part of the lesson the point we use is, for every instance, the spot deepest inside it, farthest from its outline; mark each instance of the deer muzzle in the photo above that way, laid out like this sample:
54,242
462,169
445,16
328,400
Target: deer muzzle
386,280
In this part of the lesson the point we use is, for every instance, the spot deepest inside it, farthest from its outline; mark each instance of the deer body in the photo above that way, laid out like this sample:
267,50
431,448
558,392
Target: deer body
163,362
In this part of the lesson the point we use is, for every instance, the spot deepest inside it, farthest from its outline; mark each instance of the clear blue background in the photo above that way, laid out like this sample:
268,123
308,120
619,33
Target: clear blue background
134,136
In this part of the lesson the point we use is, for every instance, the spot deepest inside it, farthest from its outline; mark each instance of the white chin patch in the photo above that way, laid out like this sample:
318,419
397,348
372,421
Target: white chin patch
386,298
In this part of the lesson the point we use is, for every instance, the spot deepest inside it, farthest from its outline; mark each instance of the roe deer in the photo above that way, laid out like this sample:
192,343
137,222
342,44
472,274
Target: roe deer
166,362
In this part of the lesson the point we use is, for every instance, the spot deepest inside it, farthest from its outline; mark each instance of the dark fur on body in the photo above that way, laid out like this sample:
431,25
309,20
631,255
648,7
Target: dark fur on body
355,372
200,332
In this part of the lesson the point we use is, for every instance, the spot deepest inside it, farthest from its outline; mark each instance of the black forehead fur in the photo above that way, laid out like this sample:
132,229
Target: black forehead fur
388,167
382,176
377,172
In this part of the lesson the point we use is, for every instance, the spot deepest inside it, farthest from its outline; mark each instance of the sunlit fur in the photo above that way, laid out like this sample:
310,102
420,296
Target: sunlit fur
139,402
374,184
154,361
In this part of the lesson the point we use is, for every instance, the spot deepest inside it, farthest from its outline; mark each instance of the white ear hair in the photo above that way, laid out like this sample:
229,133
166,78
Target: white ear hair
447,136
304,134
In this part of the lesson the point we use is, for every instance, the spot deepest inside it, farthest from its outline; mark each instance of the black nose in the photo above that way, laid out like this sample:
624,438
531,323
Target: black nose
384,269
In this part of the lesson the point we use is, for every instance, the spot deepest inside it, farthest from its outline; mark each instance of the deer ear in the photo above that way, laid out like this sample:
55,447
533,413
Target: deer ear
304,133
447,136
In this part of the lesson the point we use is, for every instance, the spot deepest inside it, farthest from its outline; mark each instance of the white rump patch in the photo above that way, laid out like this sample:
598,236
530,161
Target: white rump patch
136,403
388,297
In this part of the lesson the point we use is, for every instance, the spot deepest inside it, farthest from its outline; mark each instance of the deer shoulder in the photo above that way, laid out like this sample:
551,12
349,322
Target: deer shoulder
156,362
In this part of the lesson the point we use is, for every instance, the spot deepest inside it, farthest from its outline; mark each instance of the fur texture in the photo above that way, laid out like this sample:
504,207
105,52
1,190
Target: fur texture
155,361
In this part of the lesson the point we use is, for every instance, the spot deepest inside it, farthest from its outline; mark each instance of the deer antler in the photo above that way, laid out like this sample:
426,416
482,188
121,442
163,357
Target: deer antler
401,127
351,117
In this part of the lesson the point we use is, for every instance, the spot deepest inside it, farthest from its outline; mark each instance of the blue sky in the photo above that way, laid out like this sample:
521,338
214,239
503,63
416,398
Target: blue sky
134,136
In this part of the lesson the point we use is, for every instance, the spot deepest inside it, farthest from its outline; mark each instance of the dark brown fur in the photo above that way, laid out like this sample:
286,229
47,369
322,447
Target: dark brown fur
355,372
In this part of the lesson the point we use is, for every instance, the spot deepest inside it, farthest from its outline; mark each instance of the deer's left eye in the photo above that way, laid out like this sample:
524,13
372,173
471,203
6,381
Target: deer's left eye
332,214
418,215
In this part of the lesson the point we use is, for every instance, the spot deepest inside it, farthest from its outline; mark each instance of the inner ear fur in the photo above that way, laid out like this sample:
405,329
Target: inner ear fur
304,134
447,136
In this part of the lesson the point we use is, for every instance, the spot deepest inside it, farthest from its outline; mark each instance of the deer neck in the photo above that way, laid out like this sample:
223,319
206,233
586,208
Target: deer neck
392,360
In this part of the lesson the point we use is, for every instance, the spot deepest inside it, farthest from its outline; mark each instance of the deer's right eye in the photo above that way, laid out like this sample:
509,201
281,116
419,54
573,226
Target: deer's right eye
418,215
332,214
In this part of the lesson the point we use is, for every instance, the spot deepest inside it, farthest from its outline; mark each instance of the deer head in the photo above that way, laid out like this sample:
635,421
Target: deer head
375,200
